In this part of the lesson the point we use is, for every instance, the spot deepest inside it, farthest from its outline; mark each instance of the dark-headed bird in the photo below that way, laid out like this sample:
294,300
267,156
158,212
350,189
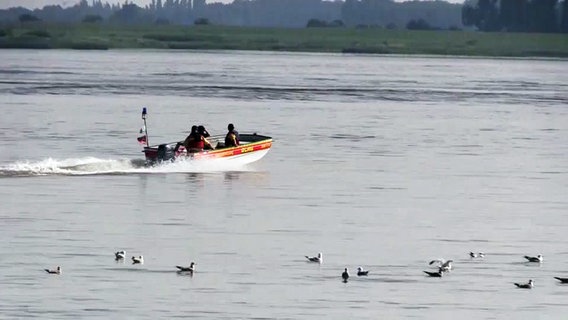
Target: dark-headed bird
528,285
191,268
563,280
477,255
318,259
437,274
139,260
538,258
345,275
56,271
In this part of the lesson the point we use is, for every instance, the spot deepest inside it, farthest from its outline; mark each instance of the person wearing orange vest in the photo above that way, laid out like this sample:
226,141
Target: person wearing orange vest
196,142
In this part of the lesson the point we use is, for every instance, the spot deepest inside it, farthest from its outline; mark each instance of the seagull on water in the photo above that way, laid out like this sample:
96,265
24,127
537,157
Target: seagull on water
345,275
190,269
528,285
119,255
563,280
139,260
361,272
443,265
56,271
538,258
477,255
437,274
318,259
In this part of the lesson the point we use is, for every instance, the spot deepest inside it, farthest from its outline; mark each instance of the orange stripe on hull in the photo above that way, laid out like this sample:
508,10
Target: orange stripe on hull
234,151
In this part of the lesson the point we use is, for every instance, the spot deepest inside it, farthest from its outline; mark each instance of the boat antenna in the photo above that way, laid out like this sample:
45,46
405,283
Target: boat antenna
144,114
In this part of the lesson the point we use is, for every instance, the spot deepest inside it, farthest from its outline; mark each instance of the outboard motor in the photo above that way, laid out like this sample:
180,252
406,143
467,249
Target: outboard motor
165,153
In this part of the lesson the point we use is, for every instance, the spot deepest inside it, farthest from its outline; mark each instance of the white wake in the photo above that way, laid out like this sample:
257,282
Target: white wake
97,166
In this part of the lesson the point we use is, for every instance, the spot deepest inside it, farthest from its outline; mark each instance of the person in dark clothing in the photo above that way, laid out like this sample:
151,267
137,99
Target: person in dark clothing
232,137
203,131
189,141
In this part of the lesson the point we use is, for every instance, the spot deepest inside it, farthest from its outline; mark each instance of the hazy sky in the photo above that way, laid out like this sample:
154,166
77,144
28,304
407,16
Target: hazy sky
65,3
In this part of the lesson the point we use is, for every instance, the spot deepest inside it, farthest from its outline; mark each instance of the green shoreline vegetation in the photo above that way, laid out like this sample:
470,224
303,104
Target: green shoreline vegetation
93,36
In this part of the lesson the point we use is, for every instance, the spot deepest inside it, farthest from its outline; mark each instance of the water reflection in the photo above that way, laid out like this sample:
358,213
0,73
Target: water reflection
256,178
194,177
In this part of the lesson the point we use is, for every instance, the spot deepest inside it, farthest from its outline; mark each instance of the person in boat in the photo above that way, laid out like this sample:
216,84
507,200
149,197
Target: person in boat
201,129
189,139
196,142
232,137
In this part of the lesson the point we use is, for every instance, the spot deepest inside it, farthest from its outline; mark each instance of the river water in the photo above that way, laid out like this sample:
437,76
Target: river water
384,162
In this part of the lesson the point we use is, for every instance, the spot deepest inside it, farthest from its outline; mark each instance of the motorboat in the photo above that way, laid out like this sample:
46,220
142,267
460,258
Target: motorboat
252,147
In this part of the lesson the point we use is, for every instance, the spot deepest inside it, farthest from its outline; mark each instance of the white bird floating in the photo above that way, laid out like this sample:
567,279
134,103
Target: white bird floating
477,255
443,265
362,272
120,255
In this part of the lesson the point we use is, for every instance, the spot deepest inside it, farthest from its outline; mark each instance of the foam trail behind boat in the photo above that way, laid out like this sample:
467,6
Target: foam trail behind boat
72,166
97,166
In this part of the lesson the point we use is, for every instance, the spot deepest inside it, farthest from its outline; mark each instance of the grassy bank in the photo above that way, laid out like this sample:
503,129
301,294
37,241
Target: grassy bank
93,36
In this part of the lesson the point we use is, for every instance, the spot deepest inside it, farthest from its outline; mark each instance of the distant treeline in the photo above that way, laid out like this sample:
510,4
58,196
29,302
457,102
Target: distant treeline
484,15
517,15
256,13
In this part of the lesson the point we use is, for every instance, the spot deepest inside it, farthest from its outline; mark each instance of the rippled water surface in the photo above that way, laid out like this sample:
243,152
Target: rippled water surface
384,162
